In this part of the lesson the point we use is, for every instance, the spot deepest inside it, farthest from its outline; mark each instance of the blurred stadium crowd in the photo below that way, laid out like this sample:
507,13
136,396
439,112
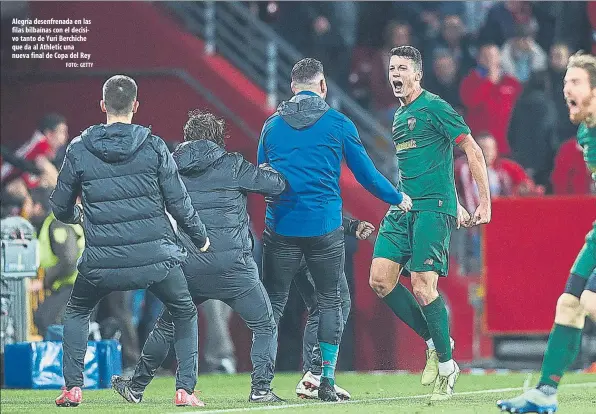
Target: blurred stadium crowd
500,64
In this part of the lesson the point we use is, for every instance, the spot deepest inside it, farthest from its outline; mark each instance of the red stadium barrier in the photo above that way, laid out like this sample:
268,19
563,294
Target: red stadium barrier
529,248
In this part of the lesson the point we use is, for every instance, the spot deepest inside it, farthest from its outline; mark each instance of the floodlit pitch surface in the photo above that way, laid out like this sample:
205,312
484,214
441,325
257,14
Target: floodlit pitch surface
371,393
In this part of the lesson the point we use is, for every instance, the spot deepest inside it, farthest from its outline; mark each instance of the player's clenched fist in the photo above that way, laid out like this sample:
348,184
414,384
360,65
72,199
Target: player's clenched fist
482,214
364,230
463,217
205,246
406,204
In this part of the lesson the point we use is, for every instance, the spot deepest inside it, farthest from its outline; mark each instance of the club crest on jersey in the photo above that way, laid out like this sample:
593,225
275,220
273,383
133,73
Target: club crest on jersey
411,123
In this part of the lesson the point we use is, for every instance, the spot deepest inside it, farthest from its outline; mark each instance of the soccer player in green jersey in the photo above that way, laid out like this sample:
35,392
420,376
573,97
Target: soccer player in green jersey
579,297
425,131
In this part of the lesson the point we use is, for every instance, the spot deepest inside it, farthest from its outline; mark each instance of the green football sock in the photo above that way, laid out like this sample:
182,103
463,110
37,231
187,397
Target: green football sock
561,350
438,325
404,305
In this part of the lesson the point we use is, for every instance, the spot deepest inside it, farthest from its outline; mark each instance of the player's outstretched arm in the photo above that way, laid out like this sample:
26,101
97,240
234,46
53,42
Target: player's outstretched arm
367,174
262,179
479,172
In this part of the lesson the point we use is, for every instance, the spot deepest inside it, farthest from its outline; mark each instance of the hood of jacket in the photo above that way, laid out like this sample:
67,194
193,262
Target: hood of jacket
303,110
196,156
116,142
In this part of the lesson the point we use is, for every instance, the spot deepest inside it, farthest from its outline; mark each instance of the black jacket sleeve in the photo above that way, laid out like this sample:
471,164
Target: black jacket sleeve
176,197
263,180
65,248
350,226
67,189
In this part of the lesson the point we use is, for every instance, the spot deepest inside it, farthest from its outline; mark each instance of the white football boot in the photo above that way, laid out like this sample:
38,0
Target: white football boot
308,387
444,385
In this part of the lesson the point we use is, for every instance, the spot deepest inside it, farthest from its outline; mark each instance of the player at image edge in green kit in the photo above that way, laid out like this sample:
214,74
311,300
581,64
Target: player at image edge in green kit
579,297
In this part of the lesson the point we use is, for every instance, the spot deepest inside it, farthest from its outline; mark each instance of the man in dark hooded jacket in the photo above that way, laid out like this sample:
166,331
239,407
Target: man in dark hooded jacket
218,183
127,179
306,141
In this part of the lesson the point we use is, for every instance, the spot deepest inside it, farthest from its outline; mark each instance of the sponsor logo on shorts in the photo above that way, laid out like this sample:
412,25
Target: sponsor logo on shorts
429,262
411,123
440,203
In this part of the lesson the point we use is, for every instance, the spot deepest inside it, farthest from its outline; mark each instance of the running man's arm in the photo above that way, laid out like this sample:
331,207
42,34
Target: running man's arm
67,190
452,126
176,197
262,179
477,165
364,170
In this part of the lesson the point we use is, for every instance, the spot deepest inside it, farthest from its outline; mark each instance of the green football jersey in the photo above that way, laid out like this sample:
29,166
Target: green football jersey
586,137
424,133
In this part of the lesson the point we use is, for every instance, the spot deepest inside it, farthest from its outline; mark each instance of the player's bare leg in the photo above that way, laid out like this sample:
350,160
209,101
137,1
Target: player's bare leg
384,276
588,303
425,289
384,280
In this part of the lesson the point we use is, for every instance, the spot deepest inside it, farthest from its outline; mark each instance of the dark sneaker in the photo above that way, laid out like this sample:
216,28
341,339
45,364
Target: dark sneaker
122,386
327,391
264,396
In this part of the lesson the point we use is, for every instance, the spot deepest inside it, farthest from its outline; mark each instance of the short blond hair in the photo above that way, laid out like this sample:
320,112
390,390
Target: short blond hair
586,62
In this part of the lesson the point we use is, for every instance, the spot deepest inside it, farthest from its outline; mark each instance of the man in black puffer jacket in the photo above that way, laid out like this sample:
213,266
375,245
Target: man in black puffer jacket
128,179
218,183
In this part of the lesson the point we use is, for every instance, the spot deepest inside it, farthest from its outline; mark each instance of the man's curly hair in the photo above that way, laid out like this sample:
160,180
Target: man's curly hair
586,62
205,125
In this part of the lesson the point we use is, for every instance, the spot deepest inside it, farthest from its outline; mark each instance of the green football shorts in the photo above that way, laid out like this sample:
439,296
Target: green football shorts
585,263
418,240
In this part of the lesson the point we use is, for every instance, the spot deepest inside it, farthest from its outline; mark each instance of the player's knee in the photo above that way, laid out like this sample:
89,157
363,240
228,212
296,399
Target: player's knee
165,327
185,310
568,304
424,289
379,285
265,326
424,293
588,303
383,278
569,311
74,310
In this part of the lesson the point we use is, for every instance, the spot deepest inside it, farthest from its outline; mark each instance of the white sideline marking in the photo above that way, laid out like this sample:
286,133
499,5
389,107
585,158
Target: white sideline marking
411,397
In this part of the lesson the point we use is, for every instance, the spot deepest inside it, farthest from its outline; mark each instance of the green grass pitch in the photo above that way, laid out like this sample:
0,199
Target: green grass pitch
371,393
